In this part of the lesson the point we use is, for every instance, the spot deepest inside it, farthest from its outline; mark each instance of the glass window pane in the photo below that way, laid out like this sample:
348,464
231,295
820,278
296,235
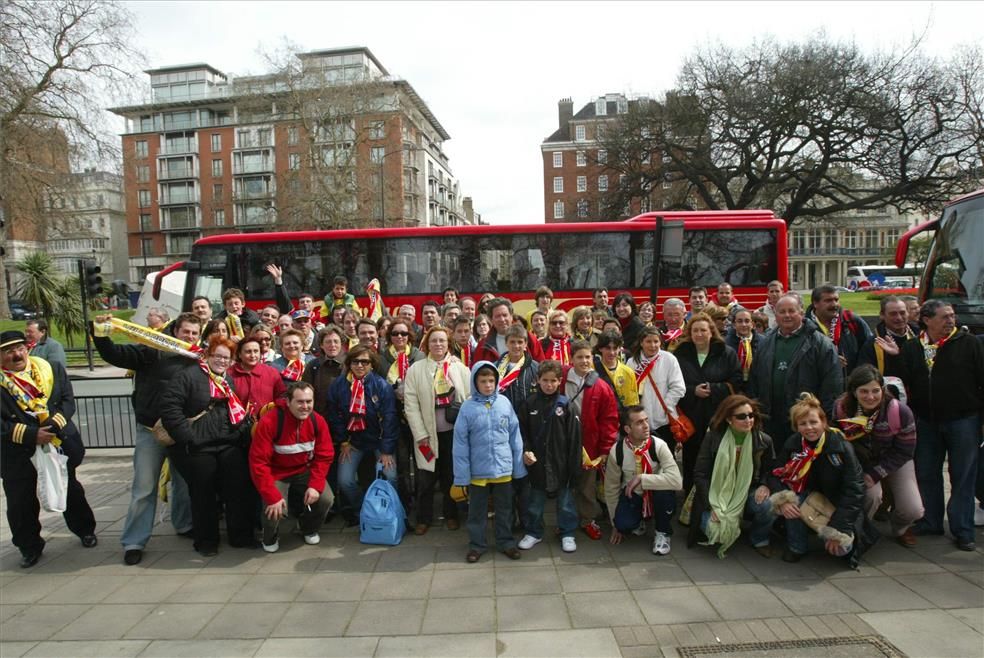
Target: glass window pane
593,260
742,258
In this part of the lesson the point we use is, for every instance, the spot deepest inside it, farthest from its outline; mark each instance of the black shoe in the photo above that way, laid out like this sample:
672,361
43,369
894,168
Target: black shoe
921,530
132,556
28,560
208,551
966,545
789,556
187,534
89,541
351,521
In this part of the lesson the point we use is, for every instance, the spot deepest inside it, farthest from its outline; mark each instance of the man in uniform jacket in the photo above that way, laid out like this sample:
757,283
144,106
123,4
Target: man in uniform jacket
36,408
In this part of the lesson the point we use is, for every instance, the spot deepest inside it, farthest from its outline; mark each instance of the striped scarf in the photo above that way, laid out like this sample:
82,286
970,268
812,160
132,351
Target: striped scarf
443,390
357,406
644,466
560,350
745,356
401,362
794,473
219,388
293,371
930,350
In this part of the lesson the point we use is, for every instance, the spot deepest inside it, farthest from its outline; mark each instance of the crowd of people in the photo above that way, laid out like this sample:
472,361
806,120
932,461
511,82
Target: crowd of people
782,422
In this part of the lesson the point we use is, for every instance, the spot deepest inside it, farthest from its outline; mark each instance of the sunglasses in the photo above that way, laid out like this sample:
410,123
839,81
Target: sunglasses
361,362
399,333
744,416
559,323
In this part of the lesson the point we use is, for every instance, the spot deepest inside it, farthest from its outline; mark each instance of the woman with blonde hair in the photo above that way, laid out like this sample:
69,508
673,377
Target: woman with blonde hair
582,326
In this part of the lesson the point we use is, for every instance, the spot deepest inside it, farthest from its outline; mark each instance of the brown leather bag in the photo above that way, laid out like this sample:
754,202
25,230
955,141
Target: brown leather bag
161,435
816,510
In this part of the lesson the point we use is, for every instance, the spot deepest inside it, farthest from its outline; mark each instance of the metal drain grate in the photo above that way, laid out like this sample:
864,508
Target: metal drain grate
857,646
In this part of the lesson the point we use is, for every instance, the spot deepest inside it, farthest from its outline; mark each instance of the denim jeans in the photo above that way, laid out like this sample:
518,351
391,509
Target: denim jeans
959,440
566,513
148,457
478,504
309,517
762,520
348,477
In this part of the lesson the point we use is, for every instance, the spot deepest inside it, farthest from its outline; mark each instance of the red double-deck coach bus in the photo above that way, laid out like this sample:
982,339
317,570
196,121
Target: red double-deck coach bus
745,248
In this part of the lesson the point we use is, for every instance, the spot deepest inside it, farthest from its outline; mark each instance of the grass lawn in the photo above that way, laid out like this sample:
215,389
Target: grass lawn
859,303
74,358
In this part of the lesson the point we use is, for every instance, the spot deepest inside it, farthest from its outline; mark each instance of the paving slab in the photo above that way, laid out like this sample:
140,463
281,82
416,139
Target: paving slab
463,645
174,621
882,593
201,648
33,588
334,587
40,622
534,612
511,582
321,619
595,643
453,583
715,571
653,575
105,622
208,588
973,617
147,588
244,621
926,633
603,609
747,601
675,605
270,587
340,647
590,578
945,590
806,596
15,649
459,615
397,617
86,649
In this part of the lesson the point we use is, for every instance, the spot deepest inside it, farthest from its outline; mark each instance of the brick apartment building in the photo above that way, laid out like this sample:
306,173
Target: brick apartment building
332,142
575,176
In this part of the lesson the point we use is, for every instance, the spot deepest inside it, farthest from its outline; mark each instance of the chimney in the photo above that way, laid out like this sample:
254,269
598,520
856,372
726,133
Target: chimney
565,111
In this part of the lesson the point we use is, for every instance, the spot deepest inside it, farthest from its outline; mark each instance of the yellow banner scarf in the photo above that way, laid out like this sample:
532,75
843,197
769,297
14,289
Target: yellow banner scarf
31,387
146,336
401,361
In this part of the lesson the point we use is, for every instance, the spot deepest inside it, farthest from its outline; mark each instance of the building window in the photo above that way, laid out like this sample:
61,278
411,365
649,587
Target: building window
377,129
141,148
147,247
558,209
217,167
582,183
143,173
144,222
143,198
579,133
292,136
603,183
216,142
294,161
217,193
582,160
218,217
558,159
582,209
558,185
601,107
376,154
602,156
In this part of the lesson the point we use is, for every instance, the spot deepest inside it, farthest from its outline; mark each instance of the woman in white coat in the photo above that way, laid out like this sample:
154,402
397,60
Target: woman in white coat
432,387
658,376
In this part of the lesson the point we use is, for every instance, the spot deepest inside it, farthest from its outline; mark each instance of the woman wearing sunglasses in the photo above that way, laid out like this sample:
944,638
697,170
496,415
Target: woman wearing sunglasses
734,461
362,417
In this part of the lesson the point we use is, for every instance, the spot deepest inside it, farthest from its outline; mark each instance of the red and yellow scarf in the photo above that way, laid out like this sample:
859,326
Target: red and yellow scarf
294,370
857,427
219,388
560,350
509,372
644,466
930,349
745,356
443,390
401,362
357,406
794,473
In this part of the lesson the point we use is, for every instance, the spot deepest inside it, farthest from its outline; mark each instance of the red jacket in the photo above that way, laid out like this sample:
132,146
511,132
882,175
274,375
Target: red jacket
486,350
261,385
299,448
599,414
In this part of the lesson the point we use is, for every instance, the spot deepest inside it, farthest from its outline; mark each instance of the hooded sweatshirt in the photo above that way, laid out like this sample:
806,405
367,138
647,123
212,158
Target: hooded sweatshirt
488,445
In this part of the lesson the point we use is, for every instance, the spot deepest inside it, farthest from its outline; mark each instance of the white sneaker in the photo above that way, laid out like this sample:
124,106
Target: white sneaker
661,544
979,516
274,547
528,542
568,544
640,530
313,538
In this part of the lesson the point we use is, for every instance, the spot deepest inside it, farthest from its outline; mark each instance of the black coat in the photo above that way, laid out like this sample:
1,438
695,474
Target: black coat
955,389
320,373
524,384
186,396
555,438
152,371
248,317
720,370
763,459
19,429
836,473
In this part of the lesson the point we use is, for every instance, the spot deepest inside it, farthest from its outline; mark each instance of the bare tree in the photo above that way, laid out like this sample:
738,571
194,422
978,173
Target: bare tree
808,130
59,61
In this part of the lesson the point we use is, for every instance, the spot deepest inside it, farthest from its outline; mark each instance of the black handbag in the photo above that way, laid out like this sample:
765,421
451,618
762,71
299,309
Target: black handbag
451,411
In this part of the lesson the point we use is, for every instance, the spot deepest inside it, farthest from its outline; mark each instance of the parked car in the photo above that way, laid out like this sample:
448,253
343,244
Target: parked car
19,311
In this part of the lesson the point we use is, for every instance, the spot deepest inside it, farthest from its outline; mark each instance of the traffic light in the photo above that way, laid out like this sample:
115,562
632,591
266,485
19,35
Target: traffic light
93,282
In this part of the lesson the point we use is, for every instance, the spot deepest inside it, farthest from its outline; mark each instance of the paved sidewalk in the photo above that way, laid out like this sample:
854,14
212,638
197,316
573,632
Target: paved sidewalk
342,598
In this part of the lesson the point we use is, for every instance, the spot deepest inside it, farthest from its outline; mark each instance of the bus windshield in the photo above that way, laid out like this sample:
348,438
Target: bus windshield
955,266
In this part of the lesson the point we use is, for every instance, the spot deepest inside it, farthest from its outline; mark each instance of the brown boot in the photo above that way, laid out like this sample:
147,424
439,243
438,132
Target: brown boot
421,529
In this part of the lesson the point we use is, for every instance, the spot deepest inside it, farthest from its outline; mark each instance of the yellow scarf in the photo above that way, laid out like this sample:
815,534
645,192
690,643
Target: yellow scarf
37,378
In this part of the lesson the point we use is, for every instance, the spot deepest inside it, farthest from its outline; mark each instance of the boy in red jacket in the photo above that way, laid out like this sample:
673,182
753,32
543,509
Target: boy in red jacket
289,459
593,402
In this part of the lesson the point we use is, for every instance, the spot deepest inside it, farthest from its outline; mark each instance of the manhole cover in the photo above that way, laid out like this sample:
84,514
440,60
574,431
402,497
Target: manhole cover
859,646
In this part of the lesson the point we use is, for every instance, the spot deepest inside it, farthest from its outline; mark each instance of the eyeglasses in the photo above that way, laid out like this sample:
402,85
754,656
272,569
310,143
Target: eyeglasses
361,362
221,359
399,333
558,323
744,416
266,340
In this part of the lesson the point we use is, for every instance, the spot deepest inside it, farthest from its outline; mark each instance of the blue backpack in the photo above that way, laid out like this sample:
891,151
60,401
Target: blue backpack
383,520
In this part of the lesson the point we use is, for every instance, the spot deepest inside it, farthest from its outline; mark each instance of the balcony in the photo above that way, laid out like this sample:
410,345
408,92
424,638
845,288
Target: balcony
242,168
179,147
252,195
174,173
865,252
179,223
250,215
181,199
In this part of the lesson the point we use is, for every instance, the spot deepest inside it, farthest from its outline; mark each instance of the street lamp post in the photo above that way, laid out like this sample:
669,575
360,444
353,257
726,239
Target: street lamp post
382,193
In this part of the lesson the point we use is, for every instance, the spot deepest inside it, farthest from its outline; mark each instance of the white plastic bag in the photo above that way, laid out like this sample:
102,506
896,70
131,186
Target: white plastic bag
52,467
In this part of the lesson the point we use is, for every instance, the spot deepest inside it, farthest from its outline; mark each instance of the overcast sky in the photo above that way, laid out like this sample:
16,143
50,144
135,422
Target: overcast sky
492,72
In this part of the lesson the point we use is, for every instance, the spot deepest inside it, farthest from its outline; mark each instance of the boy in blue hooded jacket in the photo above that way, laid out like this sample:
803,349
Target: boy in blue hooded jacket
487,454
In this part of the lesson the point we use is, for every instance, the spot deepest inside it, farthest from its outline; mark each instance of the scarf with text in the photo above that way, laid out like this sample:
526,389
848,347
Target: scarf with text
146,336
443,390
401,362
644,367
794,473
219,388
235,326
294,370
857,427
357,405
31,387
509,372
560,350
667,337
644,466
745,356
930,349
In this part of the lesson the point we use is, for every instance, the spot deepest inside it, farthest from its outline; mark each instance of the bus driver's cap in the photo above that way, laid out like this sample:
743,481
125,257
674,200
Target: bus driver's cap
12,337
